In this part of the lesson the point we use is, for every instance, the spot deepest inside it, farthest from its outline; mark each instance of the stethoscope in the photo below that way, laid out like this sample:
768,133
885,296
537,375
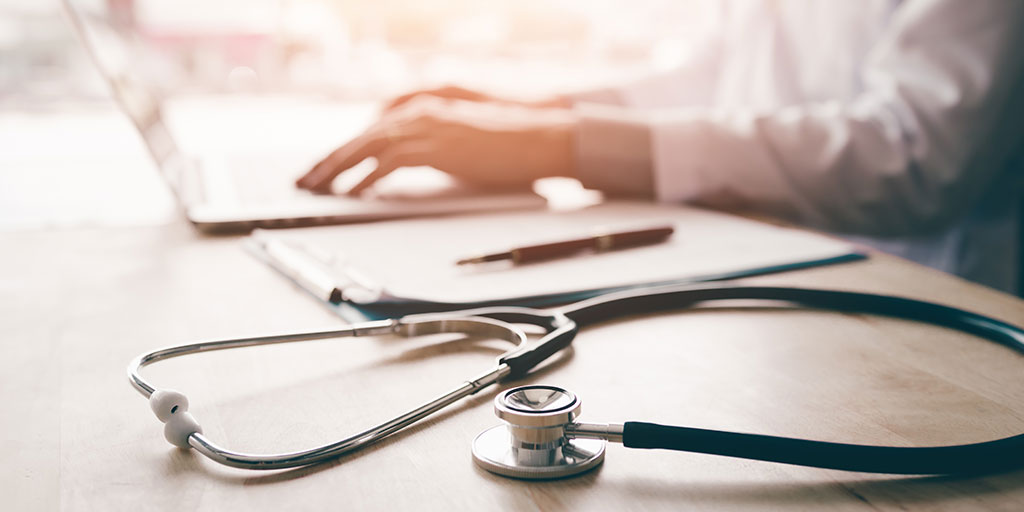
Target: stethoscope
540,436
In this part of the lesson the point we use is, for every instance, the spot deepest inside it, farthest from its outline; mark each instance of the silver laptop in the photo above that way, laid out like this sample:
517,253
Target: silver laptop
239,192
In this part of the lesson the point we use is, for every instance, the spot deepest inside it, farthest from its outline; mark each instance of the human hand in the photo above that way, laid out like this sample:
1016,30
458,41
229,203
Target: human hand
490,144
452,92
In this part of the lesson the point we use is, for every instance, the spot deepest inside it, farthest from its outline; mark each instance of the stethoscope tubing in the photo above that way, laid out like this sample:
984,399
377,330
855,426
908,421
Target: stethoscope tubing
996,455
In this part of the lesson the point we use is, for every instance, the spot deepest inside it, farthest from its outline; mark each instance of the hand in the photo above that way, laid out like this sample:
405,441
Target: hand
489,144
452,92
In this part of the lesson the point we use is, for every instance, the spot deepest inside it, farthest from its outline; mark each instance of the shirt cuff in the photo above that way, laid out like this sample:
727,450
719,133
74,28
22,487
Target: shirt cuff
613,152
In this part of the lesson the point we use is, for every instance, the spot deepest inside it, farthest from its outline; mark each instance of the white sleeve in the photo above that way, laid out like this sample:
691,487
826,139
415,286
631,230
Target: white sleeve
691,83
941,113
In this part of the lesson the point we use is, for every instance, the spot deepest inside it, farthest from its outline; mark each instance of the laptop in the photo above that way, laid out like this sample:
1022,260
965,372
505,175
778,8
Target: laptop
233,191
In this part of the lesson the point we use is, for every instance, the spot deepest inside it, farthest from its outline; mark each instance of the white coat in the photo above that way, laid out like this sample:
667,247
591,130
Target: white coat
897,123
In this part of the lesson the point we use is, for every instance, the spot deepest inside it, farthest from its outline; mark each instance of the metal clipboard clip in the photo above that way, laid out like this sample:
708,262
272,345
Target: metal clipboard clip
325,276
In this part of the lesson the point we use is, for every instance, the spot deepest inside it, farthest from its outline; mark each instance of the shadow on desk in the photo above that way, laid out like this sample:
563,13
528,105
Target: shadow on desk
873,491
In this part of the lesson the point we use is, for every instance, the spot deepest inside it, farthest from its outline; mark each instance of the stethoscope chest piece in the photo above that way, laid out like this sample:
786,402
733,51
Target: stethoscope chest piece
533,443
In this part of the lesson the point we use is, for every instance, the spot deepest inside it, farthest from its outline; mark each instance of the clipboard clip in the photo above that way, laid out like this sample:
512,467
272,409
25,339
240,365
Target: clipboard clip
321,275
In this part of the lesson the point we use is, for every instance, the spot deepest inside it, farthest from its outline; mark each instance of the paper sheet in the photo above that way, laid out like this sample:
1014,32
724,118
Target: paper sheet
415,259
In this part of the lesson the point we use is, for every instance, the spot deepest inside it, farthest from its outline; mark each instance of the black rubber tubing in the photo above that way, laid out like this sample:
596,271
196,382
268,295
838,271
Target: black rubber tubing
999,455
560,333
991,456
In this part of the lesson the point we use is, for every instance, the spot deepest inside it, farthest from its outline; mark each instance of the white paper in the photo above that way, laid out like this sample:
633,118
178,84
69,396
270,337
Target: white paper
415,259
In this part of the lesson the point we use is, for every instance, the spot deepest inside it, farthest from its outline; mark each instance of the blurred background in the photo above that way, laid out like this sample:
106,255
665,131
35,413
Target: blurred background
60,133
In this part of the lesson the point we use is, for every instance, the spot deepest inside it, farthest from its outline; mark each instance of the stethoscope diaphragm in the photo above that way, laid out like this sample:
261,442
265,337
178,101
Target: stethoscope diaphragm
532,443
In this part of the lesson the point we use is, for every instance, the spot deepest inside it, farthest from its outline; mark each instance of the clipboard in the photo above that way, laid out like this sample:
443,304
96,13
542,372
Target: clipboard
389,269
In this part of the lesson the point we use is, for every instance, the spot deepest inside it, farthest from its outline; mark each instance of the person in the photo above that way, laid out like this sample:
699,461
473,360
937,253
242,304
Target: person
894,123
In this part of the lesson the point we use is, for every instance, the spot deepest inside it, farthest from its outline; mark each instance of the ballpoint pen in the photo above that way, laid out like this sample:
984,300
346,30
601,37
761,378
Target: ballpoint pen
565,248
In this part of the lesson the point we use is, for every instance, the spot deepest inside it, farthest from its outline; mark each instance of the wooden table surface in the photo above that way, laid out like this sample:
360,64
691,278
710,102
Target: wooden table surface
77,305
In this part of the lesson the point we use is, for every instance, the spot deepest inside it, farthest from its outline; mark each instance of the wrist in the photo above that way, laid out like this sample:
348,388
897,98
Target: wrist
613,152
563,135
559,101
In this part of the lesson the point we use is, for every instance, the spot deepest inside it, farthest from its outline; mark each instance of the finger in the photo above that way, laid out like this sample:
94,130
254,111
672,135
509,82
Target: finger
447,92
441,92
348,155
402,100
400,155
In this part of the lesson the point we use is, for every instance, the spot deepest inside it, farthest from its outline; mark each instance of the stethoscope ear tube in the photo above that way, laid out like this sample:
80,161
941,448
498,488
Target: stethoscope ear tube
523,361
991,456
182,430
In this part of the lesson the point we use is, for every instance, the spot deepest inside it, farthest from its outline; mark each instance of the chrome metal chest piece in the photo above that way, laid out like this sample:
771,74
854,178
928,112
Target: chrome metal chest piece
533,444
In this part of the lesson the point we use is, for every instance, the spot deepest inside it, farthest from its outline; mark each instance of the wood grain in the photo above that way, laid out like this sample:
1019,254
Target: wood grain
77,305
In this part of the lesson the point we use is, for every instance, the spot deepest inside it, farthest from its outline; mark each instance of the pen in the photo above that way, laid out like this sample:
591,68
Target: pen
597,243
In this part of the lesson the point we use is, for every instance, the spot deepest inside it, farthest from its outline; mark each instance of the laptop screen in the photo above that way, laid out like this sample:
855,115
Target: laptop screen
115,53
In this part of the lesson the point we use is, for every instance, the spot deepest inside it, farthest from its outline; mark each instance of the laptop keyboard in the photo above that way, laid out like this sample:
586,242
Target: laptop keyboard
266,179
269,179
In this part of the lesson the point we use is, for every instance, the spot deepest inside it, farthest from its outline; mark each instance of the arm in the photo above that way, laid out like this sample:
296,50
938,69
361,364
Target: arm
692,83
914,150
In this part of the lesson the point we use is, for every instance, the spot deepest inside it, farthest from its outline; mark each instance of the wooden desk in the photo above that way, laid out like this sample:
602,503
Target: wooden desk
78,305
